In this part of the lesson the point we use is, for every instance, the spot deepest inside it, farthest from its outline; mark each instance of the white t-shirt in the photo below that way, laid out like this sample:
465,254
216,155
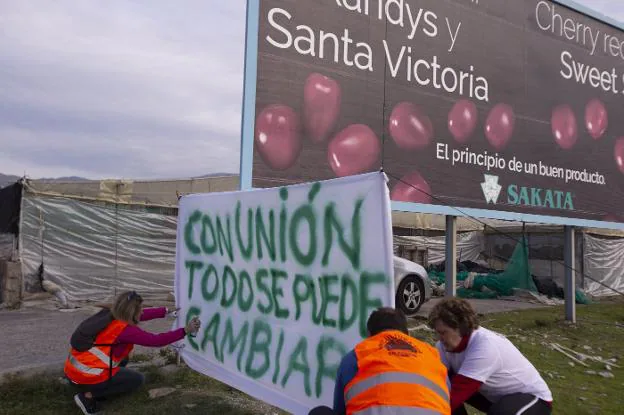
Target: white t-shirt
493,360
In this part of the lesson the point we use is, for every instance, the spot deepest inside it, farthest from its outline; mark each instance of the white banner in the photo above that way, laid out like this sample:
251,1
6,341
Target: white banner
283,280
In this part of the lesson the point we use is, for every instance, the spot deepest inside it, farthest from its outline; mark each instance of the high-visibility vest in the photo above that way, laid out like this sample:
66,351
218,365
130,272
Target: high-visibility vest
397,374
97,364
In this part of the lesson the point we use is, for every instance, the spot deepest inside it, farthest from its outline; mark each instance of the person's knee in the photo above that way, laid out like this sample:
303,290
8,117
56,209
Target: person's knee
139,379
134,380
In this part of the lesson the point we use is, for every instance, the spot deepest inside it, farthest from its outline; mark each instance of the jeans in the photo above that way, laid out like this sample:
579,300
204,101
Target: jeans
124,381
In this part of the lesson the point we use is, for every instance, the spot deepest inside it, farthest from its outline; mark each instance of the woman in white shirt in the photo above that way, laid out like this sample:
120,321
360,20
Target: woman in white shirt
485,369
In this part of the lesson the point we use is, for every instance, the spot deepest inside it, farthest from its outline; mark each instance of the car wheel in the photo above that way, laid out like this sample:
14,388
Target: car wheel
410,295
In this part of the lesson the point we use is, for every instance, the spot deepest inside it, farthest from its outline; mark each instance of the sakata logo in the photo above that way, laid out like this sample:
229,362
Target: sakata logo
491,188
527,196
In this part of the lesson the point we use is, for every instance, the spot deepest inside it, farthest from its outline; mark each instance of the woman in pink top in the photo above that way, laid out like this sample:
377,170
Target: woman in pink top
128,308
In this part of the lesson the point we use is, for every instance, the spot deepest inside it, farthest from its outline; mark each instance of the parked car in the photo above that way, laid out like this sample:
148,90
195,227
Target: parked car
413,285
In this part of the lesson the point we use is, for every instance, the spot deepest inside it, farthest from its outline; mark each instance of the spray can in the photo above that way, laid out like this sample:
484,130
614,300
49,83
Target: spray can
194,333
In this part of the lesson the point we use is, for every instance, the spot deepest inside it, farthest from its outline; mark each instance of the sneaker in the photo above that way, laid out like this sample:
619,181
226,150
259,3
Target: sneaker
86,405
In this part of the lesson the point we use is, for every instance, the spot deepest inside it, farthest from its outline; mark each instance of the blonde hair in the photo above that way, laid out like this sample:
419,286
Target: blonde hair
127,307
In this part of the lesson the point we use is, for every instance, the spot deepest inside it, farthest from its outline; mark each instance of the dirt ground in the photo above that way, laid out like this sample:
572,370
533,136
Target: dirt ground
38,335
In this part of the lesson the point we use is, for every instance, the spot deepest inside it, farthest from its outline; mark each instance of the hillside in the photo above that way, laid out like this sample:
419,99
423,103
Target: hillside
8,179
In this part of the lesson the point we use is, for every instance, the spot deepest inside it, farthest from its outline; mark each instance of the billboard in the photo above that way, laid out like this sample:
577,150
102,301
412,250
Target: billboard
501,109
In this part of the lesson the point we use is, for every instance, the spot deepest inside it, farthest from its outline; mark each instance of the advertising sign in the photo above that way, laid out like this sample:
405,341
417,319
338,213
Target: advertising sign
283,281
504,109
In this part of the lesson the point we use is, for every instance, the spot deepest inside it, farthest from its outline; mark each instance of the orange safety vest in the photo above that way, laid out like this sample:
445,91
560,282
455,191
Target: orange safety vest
97,364
397,374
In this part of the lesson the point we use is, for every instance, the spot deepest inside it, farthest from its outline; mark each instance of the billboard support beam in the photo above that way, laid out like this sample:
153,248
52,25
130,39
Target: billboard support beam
569,286
450,265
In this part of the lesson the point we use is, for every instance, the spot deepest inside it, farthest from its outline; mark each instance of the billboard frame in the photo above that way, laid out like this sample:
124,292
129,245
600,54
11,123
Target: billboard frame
248,126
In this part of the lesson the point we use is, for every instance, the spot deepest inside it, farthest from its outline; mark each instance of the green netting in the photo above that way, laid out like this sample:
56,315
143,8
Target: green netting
581,298
517,274
439,277
518,271
470,293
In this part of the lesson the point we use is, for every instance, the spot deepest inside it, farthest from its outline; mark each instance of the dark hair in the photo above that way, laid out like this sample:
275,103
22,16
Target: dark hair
456,313
385,318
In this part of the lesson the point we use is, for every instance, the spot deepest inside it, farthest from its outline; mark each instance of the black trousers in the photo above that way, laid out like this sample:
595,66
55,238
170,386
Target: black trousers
514,404
322,410
124,381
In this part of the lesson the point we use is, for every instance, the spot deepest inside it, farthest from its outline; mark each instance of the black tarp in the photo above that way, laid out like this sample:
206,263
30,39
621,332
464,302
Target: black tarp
10,204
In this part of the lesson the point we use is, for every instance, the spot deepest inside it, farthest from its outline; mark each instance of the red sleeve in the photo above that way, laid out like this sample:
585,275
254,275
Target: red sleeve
462,388
134,335
153,313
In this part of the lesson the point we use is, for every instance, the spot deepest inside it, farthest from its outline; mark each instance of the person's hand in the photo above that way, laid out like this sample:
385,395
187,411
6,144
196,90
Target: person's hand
193,326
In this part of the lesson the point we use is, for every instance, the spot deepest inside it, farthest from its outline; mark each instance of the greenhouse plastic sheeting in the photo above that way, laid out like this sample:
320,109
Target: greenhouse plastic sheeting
94,251
148,192
6,246
604,261
469,246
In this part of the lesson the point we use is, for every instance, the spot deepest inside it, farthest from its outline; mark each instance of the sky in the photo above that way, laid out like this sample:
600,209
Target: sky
139,89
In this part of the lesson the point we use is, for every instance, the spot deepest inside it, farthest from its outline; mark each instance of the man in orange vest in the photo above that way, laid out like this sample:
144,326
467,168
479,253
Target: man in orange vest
390,372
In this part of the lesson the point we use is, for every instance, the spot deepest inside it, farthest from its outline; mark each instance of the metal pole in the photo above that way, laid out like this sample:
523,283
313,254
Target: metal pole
569,286
451,256
116,283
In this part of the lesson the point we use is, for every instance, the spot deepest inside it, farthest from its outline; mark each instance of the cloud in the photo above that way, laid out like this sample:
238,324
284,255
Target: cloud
610,8
121,88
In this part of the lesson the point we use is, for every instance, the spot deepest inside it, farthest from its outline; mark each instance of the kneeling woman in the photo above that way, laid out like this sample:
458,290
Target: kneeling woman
486,370
101,344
